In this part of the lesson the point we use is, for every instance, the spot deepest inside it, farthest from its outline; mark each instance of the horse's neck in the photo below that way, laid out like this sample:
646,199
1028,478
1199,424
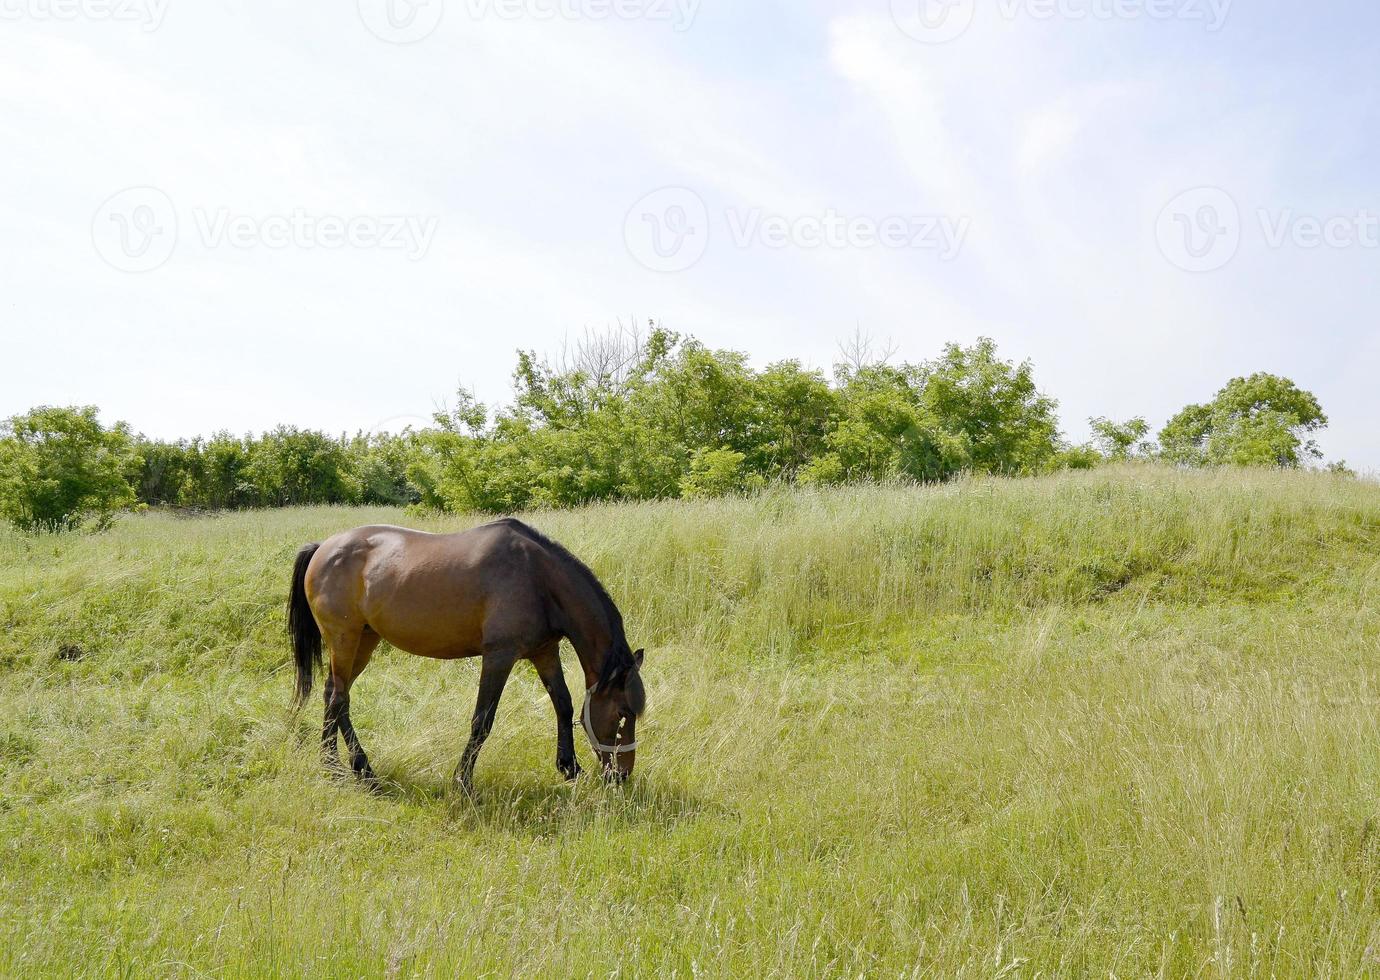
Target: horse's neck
587,623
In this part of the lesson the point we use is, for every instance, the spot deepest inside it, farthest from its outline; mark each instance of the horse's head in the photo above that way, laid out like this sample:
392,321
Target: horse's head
610,714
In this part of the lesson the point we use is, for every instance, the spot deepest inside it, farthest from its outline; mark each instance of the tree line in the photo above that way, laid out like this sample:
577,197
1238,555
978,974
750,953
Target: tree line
627,416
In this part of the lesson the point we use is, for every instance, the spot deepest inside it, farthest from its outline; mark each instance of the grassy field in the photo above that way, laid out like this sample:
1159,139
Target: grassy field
1112,723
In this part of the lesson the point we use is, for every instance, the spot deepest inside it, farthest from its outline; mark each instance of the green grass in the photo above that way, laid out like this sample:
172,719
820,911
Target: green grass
1112,723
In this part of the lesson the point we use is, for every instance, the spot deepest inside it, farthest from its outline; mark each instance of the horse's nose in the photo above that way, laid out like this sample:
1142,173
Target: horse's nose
616,775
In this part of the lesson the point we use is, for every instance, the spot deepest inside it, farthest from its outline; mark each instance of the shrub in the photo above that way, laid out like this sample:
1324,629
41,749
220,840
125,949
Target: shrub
715,473
60,467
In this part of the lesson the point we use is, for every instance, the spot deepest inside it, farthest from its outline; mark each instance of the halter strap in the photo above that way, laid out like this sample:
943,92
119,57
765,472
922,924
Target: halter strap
594,743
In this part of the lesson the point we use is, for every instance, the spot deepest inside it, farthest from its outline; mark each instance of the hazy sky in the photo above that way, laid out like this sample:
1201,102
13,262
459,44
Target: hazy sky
234,213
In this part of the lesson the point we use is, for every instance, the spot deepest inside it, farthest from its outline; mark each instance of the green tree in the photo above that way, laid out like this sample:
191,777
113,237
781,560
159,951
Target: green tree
1119,441
1261,420
60,467
465,464
1006,425
884,430
669,416
381,464
223,481
291,466
167,471
793,411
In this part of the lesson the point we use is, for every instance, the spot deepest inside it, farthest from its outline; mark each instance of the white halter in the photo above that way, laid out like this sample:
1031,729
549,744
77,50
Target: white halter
594,743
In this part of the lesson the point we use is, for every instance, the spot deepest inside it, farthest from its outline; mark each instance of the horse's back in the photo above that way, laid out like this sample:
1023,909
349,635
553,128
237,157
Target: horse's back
429,594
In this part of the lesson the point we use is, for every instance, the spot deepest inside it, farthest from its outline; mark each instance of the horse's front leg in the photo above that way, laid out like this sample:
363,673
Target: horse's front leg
548,664
493,675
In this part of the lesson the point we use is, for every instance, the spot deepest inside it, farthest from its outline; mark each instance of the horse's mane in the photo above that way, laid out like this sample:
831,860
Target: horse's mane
618,662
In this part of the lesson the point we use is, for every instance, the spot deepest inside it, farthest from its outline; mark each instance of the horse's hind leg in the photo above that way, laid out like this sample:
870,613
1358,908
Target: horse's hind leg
350,653
359,762
330,753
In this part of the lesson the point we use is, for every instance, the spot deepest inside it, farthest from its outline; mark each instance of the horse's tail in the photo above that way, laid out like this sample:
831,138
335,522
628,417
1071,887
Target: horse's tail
301,624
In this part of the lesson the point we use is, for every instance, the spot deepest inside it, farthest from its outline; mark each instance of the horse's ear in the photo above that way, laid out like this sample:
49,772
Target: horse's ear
637,658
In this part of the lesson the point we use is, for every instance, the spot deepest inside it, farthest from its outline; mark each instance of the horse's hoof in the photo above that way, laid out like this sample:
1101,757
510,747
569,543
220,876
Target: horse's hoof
570,770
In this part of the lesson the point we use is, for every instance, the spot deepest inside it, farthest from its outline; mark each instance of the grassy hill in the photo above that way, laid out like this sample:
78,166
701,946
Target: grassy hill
1123,721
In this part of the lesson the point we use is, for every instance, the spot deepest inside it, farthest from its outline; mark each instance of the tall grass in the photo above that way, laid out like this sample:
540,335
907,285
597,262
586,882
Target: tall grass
1121,722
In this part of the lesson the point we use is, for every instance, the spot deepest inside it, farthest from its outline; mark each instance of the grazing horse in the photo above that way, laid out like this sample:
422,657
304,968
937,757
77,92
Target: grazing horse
503,592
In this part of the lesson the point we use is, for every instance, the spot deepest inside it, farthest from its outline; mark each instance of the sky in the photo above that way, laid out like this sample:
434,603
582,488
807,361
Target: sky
232,214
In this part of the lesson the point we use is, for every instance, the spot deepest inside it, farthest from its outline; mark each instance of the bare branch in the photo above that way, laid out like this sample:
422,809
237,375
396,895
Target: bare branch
860,351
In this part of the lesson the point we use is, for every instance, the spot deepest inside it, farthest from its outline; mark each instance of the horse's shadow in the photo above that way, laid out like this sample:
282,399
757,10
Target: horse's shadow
536,806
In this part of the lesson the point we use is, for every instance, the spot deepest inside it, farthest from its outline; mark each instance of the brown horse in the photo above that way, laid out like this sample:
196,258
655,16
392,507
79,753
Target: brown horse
503,592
